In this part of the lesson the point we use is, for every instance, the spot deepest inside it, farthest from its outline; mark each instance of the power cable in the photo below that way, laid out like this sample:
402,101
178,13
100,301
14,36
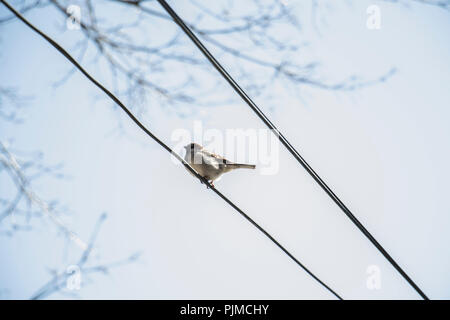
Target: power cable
286,144
141,126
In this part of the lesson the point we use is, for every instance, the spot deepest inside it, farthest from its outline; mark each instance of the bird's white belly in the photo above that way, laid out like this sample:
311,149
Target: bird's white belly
207,171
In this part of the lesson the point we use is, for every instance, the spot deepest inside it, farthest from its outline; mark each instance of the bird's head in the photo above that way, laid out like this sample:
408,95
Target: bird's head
193,147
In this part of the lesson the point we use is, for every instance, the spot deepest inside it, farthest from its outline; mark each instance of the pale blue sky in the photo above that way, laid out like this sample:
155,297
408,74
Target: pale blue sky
384,150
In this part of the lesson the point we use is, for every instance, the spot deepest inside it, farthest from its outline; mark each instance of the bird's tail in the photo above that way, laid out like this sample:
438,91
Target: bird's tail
240,165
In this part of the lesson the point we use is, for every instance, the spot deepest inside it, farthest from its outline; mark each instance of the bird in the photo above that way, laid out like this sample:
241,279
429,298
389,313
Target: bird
209,165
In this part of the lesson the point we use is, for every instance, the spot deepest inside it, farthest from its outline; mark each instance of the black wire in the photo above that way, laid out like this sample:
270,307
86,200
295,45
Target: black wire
286,143
140,125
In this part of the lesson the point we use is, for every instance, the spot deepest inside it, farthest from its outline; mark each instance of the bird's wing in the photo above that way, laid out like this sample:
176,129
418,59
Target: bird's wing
217,158
210,159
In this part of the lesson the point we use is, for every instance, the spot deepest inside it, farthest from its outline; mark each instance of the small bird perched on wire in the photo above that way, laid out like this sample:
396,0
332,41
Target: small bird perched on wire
209,165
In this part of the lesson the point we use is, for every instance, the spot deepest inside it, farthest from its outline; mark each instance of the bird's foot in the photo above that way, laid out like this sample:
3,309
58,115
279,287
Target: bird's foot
207,183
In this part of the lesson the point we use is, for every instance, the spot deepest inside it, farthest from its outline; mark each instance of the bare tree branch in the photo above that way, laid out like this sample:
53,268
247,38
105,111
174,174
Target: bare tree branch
26,202
82,268
141,68
11,104
444,4
24,8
